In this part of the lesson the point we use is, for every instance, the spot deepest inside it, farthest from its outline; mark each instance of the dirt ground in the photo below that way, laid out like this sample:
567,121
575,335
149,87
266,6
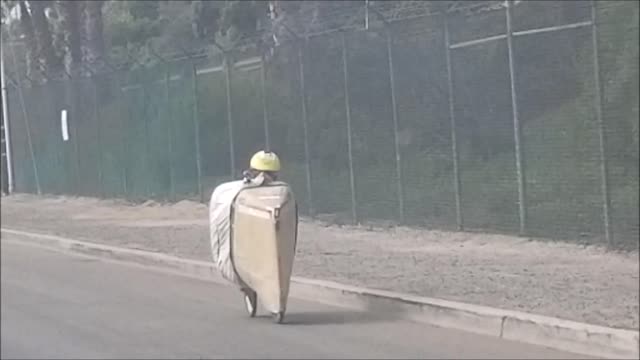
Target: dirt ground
569,281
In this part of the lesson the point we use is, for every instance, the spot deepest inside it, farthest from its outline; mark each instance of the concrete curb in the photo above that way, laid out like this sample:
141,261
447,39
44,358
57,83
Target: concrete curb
546,331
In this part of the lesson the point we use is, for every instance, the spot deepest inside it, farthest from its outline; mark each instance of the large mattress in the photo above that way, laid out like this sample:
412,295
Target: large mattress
264,233
253,234
220,227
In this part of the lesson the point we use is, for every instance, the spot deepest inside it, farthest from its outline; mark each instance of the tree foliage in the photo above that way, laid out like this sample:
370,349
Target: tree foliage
56,34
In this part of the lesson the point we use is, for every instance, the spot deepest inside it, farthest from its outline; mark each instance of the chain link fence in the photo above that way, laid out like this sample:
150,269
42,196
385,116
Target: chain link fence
518,119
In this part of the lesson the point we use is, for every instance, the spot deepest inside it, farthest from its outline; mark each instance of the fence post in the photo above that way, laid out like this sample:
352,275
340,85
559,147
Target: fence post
71,125
604,171
232,156
196,129
27,124
347,104
123,137
96,117
169,117
147,151
265,110
394,107
517,128
452,119
303,97
7,132
75,124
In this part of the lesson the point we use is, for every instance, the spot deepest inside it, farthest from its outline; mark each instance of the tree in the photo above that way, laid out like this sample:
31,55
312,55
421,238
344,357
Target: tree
69,32
26,27
239,19
94,44
206,18
9,8
46,53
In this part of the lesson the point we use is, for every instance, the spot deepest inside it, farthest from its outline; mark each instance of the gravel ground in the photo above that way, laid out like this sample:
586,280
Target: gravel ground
569,281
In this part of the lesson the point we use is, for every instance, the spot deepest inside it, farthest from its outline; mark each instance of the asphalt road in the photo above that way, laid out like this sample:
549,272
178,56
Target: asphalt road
59,305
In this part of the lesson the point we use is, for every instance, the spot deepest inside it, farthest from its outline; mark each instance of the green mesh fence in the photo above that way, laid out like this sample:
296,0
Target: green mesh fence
328,128
183,131
23,173
560,133
286,120
213,123
246,108
618,51
69,143
135,96
40,133
157,117
85,131
424,123
112,115
363,124
372,131
484,124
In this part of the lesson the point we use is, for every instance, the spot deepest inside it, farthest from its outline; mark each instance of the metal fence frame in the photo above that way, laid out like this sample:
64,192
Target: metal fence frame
517,128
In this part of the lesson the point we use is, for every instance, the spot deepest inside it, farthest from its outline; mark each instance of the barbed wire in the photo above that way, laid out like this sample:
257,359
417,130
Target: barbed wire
343,19
548,5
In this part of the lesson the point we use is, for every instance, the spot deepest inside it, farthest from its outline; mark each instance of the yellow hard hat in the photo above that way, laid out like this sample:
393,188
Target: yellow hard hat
265,161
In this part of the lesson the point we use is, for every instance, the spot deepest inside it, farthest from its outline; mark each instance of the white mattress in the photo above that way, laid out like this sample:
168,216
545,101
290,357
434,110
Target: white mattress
220,225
